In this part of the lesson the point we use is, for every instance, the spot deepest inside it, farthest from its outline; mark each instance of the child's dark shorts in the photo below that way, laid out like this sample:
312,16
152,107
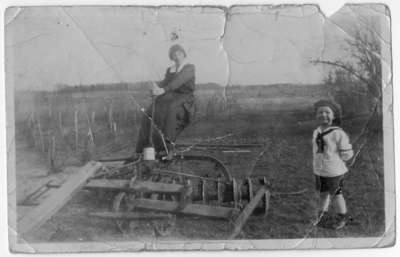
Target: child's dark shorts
333,185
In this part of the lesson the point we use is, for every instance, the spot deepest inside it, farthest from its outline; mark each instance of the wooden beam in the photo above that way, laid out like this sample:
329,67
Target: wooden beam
239,190
235,193
113,164
107,184
220,145
247,211
157,187
118,159
236,151
187,196
194,209
58,199
129,215
219,191
137,186
250,189
267,197
204,191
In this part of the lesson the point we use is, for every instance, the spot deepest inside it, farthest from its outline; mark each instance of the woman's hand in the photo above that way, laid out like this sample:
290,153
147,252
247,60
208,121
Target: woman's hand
156,90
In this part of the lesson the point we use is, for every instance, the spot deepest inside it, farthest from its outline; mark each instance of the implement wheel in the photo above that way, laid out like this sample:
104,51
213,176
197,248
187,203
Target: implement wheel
121,204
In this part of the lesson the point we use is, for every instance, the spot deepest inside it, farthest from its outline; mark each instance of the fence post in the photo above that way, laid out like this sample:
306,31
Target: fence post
31,128
110,119
51,152
89,147
76,130
60,122
93,118
114,128
40,135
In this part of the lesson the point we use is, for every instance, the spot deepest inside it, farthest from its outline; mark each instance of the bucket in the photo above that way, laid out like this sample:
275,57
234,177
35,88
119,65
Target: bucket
149,154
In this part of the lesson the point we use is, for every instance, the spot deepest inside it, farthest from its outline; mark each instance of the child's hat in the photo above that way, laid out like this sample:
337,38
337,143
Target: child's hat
335,107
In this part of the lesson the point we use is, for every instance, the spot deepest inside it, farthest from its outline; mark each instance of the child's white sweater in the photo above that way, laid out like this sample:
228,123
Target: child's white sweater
337,150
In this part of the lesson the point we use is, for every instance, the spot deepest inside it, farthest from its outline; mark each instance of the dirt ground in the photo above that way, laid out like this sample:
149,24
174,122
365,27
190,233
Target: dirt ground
285,164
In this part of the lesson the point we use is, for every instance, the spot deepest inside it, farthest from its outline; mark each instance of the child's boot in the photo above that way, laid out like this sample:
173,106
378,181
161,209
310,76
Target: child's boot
342,220
320,219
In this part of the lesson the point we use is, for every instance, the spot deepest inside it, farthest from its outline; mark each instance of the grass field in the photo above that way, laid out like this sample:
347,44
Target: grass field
75,129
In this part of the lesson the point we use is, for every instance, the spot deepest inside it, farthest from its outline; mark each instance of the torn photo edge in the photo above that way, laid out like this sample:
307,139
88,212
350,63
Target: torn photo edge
313,243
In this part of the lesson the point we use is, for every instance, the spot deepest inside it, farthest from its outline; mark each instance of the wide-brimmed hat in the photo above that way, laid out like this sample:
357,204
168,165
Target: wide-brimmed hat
175,48
334,106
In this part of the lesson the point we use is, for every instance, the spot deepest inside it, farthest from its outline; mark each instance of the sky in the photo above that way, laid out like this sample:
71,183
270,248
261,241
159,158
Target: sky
370,19
46,46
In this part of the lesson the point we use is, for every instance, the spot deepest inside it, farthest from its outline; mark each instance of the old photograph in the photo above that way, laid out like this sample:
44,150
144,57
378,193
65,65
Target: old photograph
199,127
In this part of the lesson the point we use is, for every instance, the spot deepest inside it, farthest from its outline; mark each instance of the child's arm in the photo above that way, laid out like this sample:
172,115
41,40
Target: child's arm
344,147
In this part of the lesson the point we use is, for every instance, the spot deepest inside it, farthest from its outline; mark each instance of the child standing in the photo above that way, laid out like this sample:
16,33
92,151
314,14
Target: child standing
331,148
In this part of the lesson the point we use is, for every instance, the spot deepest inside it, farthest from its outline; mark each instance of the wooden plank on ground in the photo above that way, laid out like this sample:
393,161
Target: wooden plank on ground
137,186
194,209
58,199
247,211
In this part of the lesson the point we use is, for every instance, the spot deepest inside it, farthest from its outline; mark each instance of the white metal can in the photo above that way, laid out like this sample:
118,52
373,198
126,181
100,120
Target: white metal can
149,154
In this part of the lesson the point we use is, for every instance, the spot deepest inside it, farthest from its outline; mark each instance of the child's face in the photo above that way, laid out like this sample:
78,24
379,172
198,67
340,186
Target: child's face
325,115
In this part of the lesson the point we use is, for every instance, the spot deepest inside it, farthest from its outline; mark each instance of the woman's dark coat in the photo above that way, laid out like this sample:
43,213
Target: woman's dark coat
174,109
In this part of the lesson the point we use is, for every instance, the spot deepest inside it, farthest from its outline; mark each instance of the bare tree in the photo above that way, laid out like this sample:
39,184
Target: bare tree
364,63
363,66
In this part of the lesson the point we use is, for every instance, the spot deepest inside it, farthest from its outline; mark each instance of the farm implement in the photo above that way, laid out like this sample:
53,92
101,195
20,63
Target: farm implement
157,191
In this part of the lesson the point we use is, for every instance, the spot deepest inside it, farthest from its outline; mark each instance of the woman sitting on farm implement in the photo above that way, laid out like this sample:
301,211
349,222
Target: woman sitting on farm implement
172,108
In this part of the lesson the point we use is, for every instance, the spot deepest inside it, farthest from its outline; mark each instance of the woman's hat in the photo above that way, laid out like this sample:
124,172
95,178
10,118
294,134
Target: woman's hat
335,107
175,48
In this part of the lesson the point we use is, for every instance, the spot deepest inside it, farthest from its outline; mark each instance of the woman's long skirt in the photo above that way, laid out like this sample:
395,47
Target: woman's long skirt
173,112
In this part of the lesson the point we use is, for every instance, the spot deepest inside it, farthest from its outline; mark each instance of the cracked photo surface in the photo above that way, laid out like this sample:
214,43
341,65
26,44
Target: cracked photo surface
136,128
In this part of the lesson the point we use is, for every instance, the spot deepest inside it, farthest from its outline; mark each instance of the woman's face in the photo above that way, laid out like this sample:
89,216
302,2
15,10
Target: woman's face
178,57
